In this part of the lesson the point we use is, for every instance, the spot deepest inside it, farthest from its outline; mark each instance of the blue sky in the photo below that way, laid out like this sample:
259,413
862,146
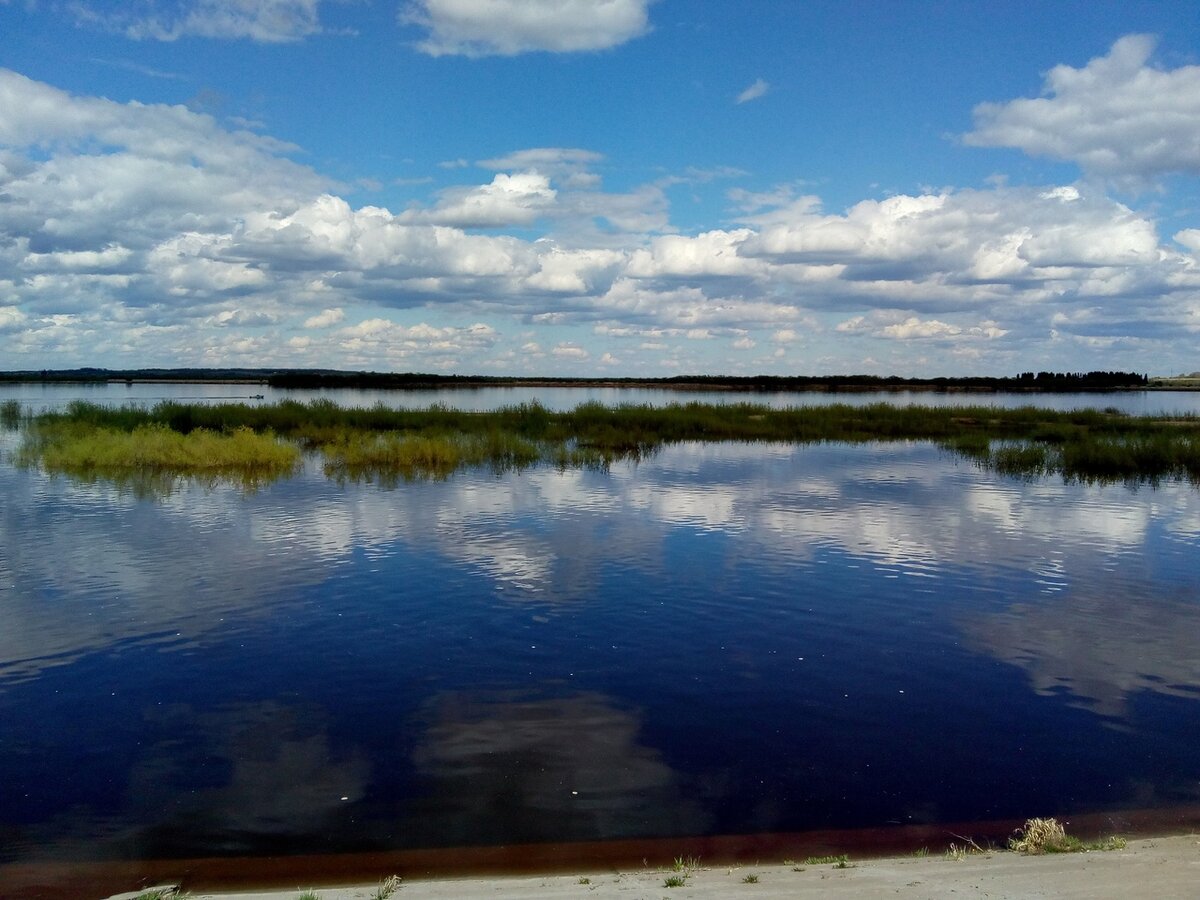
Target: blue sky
597,187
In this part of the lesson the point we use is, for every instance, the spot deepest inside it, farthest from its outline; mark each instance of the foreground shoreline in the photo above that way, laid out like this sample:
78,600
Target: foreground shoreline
1164,868
638,867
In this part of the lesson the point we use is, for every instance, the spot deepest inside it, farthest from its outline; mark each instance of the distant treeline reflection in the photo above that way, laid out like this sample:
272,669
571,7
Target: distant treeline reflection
258,443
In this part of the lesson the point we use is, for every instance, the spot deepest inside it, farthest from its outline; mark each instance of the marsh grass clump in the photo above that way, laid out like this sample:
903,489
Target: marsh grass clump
1022,459
504,450
391,456
1137,457
153,448
674,881
750,879
368,456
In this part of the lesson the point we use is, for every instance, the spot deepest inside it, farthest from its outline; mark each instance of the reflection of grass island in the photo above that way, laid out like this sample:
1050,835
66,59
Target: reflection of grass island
263,441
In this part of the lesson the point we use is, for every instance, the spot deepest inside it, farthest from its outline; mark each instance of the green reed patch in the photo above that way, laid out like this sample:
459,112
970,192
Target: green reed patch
384,444
81,449
1024,460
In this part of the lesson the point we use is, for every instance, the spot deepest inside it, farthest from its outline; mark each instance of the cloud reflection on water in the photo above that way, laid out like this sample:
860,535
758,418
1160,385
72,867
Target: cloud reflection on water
87,568
543,769
275,773
243,778
1101,645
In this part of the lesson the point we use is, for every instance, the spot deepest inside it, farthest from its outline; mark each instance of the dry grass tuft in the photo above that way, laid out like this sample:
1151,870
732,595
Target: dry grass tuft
1048,836
386,888
1040,836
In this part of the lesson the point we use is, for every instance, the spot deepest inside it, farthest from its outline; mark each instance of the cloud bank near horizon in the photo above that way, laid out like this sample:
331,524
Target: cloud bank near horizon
151,234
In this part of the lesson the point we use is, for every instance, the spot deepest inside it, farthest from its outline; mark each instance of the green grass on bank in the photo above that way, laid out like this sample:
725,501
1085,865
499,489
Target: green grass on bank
379,443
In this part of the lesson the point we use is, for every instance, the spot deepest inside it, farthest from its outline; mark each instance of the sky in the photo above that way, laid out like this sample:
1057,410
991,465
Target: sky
601,187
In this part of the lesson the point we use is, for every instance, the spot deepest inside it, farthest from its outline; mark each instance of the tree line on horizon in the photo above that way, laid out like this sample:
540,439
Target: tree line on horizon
334,378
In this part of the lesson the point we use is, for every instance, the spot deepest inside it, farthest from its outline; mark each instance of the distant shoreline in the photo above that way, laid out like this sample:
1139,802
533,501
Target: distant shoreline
317,379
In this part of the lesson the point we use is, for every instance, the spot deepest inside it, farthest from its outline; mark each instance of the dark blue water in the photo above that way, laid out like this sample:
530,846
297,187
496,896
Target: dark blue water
720,639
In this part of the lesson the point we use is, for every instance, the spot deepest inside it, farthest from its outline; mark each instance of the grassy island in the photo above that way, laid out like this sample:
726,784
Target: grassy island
264,441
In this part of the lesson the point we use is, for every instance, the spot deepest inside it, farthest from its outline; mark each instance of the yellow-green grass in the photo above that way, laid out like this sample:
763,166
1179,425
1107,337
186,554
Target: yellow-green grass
79,449
385,456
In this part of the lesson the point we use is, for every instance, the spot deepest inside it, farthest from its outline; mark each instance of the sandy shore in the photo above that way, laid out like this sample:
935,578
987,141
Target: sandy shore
1161,868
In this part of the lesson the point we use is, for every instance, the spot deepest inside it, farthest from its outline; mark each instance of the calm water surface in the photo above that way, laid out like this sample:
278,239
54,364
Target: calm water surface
47,396
720,639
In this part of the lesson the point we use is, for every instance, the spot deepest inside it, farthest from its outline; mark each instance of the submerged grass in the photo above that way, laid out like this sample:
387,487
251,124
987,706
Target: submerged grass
384,444
10,414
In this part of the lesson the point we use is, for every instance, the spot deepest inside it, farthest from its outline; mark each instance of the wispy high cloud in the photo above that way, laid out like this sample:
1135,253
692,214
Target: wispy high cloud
130,66
510,27
266,21
756,90
1118,117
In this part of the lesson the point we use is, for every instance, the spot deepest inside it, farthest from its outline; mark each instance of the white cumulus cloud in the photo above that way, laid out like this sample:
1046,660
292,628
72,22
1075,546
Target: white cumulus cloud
326,318
1003,235
1118,117
567,350
11,318
518,199
914,328
509,27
